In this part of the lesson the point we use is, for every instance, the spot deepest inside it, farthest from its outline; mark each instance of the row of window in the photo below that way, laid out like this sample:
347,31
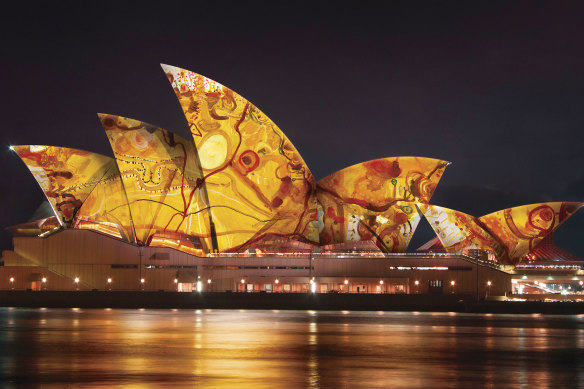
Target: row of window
219,267
213,267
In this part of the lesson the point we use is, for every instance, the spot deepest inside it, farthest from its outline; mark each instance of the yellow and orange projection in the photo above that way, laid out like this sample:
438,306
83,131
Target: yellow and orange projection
256,181
520,229
510,233
459,231
162,181
83,188
241,184
376,200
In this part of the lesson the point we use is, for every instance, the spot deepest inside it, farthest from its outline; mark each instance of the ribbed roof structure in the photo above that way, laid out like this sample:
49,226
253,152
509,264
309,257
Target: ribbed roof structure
240,184
376,200
510,233
547,251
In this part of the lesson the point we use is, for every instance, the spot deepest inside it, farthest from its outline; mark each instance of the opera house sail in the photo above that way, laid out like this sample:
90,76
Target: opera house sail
510,234
83,188
520,229
256,180
163,184
376,200
238,188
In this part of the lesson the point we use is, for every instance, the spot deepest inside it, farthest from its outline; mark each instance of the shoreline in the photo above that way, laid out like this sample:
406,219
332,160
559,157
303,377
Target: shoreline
283,301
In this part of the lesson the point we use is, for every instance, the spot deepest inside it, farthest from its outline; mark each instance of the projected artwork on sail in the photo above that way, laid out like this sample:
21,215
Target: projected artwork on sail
376,200
459,232
520,229
163,184
238,184
82,187
257,183
510,233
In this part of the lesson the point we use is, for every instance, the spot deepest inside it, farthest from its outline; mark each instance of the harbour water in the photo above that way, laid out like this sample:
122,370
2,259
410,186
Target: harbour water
287,349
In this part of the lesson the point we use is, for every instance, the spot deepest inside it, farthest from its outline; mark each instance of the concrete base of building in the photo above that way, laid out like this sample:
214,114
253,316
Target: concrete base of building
230,300
279,301
84,260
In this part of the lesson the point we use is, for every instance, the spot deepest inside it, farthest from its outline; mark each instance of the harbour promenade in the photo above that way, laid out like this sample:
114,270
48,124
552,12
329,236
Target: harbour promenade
280,301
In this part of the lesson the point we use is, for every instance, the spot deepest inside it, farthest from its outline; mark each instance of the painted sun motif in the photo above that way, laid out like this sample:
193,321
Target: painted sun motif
257,183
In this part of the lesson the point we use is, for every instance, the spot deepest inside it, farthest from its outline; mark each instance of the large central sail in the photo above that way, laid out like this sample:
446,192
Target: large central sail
257,183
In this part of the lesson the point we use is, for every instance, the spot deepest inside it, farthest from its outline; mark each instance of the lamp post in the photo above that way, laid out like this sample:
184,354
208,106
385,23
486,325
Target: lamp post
312,285
109,283
489,283
76,281
452,284
417,283
11,283
140,248
477,265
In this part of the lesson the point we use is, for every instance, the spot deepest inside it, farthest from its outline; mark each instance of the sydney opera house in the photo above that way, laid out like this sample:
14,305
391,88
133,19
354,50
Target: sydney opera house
235,208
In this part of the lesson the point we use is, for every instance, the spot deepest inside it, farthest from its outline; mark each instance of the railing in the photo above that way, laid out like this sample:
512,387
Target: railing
336,255
375,255
421,256
326,255
533,266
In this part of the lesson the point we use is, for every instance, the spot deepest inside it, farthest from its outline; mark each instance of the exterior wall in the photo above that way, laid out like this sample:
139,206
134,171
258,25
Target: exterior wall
95,258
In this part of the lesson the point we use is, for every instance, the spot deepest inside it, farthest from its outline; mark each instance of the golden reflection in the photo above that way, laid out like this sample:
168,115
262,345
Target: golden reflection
313,374
285,349
581,339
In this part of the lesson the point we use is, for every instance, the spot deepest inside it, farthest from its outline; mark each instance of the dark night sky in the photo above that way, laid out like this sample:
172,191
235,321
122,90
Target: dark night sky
495,87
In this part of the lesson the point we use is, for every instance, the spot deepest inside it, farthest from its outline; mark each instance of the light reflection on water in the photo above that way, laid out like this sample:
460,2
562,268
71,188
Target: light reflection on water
243,348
